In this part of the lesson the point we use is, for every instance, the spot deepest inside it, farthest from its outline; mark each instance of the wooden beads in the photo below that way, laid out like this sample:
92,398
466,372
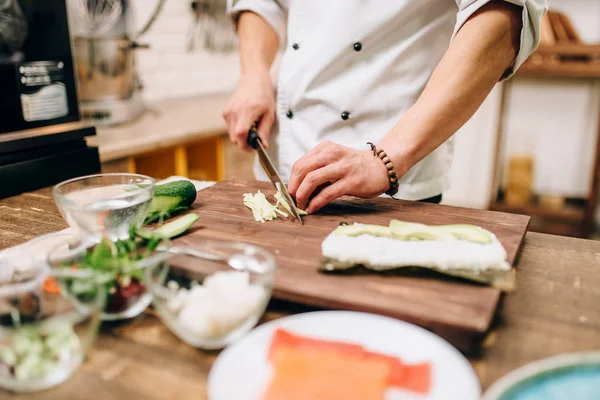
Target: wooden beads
389,165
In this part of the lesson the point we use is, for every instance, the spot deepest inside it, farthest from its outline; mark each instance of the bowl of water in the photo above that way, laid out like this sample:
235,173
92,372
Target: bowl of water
46,330
105,205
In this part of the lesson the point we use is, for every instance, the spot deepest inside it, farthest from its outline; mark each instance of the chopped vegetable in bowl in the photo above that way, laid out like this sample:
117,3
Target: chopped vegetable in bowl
118,270
44,336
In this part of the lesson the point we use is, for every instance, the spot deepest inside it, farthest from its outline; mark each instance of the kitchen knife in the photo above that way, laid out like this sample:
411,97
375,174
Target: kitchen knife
255,142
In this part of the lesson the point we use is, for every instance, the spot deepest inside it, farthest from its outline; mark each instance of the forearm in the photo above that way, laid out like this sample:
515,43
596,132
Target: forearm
483,49
258,43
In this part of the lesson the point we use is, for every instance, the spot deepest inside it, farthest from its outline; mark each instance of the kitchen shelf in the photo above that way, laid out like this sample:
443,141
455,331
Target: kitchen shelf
560,69
558,61
568,213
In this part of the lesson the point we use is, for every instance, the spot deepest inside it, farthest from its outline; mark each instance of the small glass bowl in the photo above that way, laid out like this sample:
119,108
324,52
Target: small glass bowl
126,296
212,294
46,330
104,205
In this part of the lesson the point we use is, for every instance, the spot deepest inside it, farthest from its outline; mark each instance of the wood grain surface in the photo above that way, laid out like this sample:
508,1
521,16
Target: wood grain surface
553,311
459,311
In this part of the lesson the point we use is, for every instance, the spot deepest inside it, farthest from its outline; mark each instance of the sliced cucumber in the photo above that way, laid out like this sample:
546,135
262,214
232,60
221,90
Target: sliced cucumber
170,229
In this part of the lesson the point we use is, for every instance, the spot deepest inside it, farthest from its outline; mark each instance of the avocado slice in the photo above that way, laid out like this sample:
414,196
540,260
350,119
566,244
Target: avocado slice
413,231
364,229
468,232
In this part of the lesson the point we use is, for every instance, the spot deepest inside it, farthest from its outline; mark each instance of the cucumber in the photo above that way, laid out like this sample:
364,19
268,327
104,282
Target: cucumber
169,198
170,229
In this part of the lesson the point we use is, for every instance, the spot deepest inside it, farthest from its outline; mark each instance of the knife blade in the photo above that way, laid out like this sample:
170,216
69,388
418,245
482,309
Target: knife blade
255,142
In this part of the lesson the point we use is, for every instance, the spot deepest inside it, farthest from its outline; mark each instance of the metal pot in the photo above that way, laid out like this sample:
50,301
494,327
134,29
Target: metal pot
109,86
106,68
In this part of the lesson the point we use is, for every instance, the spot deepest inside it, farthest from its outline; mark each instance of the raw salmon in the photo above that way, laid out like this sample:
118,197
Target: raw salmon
411,377
303,373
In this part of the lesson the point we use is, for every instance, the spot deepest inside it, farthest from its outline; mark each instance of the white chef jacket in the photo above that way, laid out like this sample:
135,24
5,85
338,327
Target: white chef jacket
352,68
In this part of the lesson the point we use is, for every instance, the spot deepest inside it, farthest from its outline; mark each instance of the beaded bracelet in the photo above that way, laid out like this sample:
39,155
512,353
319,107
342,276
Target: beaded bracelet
394,185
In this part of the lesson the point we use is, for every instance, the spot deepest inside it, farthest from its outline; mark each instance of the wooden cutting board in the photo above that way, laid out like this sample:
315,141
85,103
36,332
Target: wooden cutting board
459,311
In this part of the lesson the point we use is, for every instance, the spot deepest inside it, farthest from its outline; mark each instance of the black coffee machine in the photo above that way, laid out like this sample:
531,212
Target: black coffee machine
42,141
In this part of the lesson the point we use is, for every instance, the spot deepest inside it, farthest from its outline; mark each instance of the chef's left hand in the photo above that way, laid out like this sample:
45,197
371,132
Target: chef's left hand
339,171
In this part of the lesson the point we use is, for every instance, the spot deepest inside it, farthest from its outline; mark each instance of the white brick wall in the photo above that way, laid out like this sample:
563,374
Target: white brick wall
167,70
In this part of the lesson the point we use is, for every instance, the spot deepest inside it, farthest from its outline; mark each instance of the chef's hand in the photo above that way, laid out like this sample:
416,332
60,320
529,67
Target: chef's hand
336,170
253,100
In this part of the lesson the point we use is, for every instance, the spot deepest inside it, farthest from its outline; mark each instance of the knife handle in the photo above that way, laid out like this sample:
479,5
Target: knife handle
253,138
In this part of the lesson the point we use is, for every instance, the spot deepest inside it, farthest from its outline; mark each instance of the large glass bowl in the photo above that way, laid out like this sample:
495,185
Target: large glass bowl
126,294
212,294
105,205
45,329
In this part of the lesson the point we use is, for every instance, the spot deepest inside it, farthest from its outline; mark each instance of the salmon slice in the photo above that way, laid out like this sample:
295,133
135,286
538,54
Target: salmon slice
412,377
303,373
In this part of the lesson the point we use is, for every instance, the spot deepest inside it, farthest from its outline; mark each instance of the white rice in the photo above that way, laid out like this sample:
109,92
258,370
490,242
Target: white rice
383,253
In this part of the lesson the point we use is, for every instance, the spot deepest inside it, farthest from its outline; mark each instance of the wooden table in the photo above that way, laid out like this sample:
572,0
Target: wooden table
556,309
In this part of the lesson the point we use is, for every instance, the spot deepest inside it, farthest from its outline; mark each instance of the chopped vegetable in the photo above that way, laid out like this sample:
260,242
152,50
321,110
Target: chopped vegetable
171,229
32,353
50,286
116,269
283,201
263,210
169,198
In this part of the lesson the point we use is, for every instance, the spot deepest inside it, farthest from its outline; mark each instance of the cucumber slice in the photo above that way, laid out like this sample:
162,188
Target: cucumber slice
173,228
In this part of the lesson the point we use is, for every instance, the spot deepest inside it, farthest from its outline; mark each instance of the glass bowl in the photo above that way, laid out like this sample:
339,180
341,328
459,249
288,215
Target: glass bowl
105,205
45,329
212,294
122,280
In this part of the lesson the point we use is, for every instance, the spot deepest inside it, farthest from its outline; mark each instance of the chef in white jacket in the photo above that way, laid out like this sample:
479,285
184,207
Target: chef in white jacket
402,74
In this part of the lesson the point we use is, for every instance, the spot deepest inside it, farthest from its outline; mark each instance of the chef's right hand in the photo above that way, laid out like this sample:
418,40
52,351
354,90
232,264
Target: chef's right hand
253,100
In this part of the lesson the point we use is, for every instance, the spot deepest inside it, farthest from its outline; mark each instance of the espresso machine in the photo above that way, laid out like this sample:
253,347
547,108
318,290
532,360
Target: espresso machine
42,140
105,46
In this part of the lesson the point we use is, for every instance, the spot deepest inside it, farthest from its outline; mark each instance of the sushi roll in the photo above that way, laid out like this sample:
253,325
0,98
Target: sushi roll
464,251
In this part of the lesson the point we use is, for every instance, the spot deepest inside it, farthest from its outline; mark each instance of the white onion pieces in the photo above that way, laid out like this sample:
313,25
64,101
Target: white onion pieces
263,210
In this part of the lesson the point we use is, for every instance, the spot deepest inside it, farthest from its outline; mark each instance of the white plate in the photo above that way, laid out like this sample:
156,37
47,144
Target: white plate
241,372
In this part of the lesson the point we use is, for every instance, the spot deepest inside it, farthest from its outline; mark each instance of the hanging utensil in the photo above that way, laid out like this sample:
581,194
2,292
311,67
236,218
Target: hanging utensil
99,16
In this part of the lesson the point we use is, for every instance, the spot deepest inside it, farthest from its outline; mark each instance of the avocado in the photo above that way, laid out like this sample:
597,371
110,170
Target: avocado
364,229
413,231
468,232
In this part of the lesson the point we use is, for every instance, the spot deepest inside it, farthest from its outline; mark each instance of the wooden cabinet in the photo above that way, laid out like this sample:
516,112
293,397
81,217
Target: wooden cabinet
209,159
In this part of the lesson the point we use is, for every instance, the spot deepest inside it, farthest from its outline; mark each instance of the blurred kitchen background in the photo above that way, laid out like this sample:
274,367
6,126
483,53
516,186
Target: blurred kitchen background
154,76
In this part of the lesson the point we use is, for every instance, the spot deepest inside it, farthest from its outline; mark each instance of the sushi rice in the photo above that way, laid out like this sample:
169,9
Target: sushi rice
383,253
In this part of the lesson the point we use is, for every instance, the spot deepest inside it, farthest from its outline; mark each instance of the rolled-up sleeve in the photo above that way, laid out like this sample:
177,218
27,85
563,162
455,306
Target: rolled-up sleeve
533,12
272,11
